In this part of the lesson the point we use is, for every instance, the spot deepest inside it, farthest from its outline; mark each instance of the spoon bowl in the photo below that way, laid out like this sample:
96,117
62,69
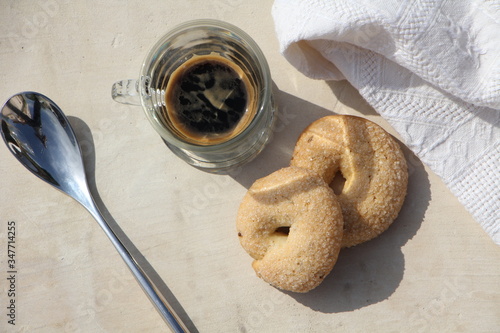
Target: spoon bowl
39,135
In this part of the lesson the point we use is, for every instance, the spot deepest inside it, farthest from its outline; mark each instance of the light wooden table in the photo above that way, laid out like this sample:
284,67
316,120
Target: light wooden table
434,270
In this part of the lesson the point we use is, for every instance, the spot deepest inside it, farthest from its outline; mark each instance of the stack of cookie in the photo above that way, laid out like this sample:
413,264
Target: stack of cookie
345,185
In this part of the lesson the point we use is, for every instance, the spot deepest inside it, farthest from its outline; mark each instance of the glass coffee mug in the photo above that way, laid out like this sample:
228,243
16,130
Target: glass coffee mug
206,89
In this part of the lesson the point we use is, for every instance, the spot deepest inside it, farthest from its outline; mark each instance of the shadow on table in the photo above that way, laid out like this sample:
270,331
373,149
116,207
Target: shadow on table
85,139
370,272
294,114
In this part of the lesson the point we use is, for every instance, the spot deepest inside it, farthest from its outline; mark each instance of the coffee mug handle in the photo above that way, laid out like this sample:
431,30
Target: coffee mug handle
126,92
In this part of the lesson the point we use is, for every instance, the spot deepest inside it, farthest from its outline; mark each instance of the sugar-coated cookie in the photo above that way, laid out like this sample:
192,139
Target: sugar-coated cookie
290,223
370,161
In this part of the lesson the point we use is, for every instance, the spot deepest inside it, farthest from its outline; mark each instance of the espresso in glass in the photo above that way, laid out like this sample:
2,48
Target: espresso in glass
206,88
209,99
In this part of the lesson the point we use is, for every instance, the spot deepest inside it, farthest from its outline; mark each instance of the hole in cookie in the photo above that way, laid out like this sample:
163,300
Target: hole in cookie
338,183
283,231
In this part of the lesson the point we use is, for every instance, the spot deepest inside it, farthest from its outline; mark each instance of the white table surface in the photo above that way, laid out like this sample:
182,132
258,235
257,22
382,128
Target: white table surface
434,270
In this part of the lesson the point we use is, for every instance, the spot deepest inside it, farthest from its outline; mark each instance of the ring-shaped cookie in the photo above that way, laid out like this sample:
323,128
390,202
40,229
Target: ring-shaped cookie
290,222
370,161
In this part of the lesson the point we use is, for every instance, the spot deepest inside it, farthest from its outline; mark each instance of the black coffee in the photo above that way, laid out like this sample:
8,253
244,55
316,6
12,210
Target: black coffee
208,99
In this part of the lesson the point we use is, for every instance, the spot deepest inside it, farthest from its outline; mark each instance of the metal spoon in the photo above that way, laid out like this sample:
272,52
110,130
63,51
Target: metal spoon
39,135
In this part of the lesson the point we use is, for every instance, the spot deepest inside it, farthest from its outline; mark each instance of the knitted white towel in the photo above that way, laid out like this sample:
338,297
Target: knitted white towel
431,68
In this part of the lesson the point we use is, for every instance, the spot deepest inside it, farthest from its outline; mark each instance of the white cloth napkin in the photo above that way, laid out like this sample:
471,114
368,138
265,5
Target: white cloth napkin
431,68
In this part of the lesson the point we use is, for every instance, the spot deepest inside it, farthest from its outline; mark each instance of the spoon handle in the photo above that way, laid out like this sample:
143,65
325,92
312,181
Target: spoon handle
149,287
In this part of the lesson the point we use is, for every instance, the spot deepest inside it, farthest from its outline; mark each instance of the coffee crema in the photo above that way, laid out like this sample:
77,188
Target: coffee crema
209,100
